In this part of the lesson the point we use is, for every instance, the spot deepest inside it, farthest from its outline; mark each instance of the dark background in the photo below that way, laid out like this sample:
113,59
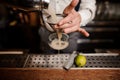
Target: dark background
23,34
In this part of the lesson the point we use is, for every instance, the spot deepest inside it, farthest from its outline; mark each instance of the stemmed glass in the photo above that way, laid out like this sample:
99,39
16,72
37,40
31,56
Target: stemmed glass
57,40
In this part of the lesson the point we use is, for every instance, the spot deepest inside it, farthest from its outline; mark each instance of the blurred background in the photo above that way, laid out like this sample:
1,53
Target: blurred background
19,24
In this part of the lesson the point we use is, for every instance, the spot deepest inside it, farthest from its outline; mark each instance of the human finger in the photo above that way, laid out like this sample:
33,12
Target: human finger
83,31
68,18
71,6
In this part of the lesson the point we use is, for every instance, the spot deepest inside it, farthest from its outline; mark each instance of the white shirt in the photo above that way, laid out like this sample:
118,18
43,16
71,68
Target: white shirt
87,9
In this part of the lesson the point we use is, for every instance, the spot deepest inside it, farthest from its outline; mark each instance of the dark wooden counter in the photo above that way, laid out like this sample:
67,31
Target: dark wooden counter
58,74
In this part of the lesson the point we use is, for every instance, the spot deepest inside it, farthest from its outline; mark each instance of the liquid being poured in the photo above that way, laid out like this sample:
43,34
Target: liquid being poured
59,34
55,44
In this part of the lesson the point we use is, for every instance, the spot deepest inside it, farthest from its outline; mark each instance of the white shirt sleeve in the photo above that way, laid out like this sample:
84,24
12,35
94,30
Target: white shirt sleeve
87,11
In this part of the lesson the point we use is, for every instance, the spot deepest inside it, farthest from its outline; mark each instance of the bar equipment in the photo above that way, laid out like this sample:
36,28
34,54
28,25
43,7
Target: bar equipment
57,40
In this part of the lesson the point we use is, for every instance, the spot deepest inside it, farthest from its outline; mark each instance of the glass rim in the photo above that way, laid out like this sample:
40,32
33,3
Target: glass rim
67,36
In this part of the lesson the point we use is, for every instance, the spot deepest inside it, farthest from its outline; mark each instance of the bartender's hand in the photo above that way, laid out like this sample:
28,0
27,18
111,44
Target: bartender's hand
71,22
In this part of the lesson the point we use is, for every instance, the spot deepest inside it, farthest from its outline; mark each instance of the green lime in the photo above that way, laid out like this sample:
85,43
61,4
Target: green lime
80,60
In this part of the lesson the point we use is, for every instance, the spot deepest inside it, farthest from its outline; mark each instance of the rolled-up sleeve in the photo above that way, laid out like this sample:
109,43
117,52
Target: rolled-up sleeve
87,11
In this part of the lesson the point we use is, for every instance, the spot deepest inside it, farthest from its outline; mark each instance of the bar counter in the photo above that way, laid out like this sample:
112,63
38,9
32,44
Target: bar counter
35,68
58,74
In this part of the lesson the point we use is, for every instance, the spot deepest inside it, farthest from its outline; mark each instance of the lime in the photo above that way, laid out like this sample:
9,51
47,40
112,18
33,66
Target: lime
80,60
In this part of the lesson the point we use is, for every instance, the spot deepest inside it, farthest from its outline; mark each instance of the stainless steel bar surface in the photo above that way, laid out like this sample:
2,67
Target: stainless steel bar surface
94,60
98,60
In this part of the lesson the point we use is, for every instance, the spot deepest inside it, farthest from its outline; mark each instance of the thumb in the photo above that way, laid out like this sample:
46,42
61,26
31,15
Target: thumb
71,6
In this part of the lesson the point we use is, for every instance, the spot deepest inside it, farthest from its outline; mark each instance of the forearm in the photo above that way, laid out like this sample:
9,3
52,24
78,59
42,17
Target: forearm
87,11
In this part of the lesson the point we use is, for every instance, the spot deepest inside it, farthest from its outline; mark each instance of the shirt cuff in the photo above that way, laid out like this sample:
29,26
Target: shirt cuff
85,16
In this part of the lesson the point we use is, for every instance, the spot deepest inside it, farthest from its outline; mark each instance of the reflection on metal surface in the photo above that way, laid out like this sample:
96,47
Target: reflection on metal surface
98,60
11,52
100,29
94,60
94,40
47,61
